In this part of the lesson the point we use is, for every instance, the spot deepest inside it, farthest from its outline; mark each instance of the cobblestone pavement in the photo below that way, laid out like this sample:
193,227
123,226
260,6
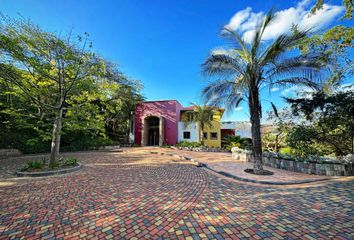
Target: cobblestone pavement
134,195
221,161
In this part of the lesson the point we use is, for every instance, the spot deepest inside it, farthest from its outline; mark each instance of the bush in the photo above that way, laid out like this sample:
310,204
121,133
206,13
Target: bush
286,151
188,144
231,145
236,141
31,141
70,161
76,141
33,164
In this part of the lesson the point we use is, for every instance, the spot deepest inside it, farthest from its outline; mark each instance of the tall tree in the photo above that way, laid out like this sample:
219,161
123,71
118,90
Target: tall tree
35,60
337,43
330,122
348,4
203,115
245,68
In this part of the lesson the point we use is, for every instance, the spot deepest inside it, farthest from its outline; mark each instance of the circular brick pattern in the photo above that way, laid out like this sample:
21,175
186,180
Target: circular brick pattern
112,195
137,195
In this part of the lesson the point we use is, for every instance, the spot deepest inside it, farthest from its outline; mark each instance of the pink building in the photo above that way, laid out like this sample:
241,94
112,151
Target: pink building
156,122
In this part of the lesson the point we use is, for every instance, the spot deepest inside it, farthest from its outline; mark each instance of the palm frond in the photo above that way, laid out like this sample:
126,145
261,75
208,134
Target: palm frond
274,109
291,81
222,64
301,67
281,45
226,93
237,40
257,38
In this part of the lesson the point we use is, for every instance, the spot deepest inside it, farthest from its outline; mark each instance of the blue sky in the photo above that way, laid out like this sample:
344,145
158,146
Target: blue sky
163,43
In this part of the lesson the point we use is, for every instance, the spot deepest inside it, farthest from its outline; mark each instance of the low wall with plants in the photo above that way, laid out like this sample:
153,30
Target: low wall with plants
343,166
197,147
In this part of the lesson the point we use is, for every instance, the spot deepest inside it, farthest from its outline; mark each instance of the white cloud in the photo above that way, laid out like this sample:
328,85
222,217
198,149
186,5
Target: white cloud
246,21
239,18
347,87
219,51
239,109
274,89
299,91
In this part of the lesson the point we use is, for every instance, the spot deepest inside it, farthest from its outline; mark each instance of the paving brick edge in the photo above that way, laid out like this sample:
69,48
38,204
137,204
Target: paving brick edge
48,173
200,164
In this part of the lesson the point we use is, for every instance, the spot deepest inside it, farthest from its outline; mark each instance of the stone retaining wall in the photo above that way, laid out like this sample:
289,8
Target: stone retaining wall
9,152
113,147
327,169
345,168
241,155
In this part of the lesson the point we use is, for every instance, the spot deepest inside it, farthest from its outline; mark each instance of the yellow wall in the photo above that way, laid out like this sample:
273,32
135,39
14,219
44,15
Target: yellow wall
213,142
215,128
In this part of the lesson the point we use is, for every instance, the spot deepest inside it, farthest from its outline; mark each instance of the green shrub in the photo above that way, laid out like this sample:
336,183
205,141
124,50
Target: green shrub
70,161
79,141
236,141
35,164
188,144
286,151
231,145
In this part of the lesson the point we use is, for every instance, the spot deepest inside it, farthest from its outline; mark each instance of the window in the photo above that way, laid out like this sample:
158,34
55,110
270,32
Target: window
187,135
213,135
205,135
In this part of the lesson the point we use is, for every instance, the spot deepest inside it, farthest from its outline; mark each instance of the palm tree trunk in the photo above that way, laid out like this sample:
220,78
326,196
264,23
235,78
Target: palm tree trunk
255,112
202,134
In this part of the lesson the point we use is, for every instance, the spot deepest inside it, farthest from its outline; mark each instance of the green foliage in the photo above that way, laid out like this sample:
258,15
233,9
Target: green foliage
70,161
188,144
33,164
203,115
301,140
43,164
348,4
330,126
335,44
83,140
236,141
273,142
286,151
231,145
41,73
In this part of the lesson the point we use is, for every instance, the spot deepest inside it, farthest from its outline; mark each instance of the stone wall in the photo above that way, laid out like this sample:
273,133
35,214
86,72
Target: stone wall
327,169
241,155
335,168
114,147
9,152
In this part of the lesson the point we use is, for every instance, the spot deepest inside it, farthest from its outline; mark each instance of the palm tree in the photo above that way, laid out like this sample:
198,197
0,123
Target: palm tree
203,115
245,68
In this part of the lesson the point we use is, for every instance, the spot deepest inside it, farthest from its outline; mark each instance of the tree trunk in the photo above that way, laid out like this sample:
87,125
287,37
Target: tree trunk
202,134
254,105
54,151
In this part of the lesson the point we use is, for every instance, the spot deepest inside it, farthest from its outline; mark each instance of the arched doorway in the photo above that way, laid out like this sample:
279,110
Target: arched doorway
152,131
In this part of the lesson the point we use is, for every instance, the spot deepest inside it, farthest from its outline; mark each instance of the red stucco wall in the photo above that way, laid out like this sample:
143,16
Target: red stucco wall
169,110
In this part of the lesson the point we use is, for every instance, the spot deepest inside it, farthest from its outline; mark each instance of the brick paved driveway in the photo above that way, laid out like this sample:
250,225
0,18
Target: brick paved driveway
133,196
